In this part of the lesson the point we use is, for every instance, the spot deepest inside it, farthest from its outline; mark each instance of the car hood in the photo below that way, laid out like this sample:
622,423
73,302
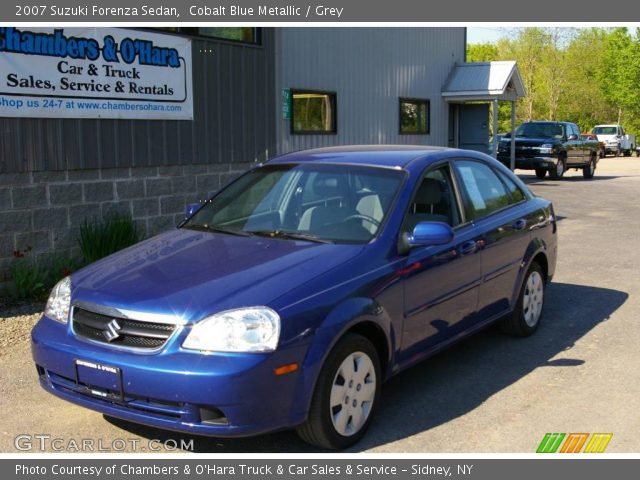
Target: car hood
193,274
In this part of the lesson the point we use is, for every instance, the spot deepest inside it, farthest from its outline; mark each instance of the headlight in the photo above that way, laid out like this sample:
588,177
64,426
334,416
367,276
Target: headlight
59,301
546,148
254,329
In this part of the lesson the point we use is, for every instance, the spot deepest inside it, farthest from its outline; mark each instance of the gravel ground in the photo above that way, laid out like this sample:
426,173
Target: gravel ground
16,324
491,393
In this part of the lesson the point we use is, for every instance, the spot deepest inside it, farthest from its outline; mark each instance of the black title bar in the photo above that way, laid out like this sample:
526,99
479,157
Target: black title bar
305,11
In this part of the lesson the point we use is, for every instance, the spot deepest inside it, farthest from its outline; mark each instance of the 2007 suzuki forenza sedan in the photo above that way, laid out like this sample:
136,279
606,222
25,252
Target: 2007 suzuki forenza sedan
289,297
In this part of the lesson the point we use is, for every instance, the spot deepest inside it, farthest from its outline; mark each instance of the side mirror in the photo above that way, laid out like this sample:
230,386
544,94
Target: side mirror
431,233
507,135
425,234
573,136
191,209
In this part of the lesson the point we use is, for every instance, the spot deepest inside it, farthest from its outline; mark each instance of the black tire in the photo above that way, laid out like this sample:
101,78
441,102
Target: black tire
590,169
515,323
557,171
541,173
319,430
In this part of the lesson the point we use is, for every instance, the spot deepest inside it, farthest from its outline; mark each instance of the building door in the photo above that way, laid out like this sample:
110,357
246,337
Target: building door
473,127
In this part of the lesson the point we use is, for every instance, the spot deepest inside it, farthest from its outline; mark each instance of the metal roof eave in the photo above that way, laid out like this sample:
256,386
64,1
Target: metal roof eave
507,82
488,96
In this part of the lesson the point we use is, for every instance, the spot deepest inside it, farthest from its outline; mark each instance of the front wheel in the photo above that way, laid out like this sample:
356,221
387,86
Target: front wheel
556,172
525,318
346,395
541,173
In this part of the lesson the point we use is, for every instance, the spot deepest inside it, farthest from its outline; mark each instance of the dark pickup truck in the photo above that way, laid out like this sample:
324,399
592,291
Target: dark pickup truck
550,147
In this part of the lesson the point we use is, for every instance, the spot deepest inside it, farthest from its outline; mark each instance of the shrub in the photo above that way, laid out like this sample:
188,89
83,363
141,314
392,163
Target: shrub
29,280
99,239
58,268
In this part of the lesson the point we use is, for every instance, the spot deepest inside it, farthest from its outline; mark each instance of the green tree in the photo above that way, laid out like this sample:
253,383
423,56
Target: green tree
620,75
482,52
584,102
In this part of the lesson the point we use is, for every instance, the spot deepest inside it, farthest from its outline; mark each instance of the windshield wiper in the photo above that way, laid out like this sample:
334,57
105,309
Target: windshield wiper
288,235
216,229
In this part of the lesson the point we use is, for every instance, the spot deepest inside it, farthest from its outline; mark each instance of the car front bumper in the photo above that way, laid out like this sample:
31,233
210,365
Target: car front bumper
529,163
224,395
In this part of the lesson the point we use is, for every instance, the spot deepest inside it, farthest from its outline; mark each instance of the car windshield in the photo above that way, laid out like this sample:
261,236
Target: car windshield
540,130
605,130
313,202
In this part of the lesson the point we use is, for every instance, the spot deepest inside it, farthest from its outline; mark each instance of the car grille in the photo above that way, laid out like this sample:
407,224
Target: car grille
521,152
121,332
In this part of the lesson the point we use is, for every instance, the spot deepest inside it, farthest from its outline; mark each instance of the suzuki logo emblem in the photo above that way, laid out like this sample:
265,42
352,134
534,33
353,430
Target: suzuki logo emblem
111,332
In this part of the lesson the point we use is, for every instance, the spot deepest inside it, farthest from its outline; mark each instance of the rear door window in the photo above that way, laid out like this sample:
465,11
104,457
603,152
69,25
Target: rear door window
483,192
517,195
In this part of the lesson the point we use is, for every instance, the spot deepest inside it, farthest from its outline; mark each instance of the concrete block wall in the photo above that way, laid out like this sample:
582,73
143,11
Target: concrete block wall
43,211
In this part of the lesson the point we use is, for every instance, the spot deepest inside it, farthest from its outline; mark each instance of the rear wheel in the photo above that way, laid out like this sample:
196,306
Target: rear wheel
590,169
525,318
541,172
346,395
557,172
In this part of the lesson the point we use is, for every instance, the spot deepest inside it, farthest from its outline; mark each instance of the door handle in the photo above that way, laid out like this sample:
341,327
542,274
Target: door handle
520,224
468,247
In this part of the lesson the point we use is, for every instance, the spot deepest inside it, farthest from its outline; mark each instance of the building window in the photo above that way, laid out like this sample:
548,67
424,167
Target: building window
238,34
414,116
234,34
313,112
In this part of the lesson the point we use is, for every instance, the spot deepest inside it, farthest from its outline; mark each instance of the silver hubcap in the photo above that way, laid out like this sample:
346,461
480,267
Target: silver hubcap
592,167
533,299
560,168
352,394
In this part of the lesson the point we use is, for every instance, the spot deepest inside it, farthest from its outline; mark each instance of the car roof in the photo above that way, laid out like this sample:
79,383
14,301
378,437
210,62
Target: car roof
371,155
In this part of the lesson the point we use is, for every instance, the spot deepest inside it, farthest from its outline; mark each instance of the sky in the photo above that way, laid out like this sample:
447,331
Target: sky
485,34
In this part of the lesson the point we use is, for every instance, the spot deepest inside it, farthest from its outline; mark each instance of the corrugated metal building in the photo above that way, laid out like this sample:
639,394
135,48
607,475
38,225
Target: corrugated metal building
369,70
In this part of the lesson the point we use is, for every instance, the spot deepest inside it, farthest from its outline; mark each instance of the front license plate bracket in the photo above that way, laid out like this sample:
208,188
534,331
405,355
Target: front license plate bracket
100,380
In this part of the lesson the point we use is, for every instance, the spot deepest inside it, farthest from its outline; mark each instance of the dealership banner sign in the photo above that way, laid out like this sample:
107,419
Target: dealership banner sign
94,73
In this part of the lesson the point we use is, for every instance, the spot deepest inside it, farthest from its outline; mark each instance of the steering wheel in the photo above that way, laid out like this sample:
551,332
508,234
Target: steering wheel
366,218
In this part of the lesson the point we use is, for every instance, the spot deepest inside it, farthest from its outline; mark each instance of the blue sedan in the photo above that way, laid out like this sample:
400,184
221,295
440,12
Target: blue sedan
289,297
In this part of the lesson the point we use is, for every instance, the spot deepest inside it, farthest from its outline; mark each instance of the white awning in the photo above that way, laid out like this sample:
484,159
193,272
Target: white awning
484,81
